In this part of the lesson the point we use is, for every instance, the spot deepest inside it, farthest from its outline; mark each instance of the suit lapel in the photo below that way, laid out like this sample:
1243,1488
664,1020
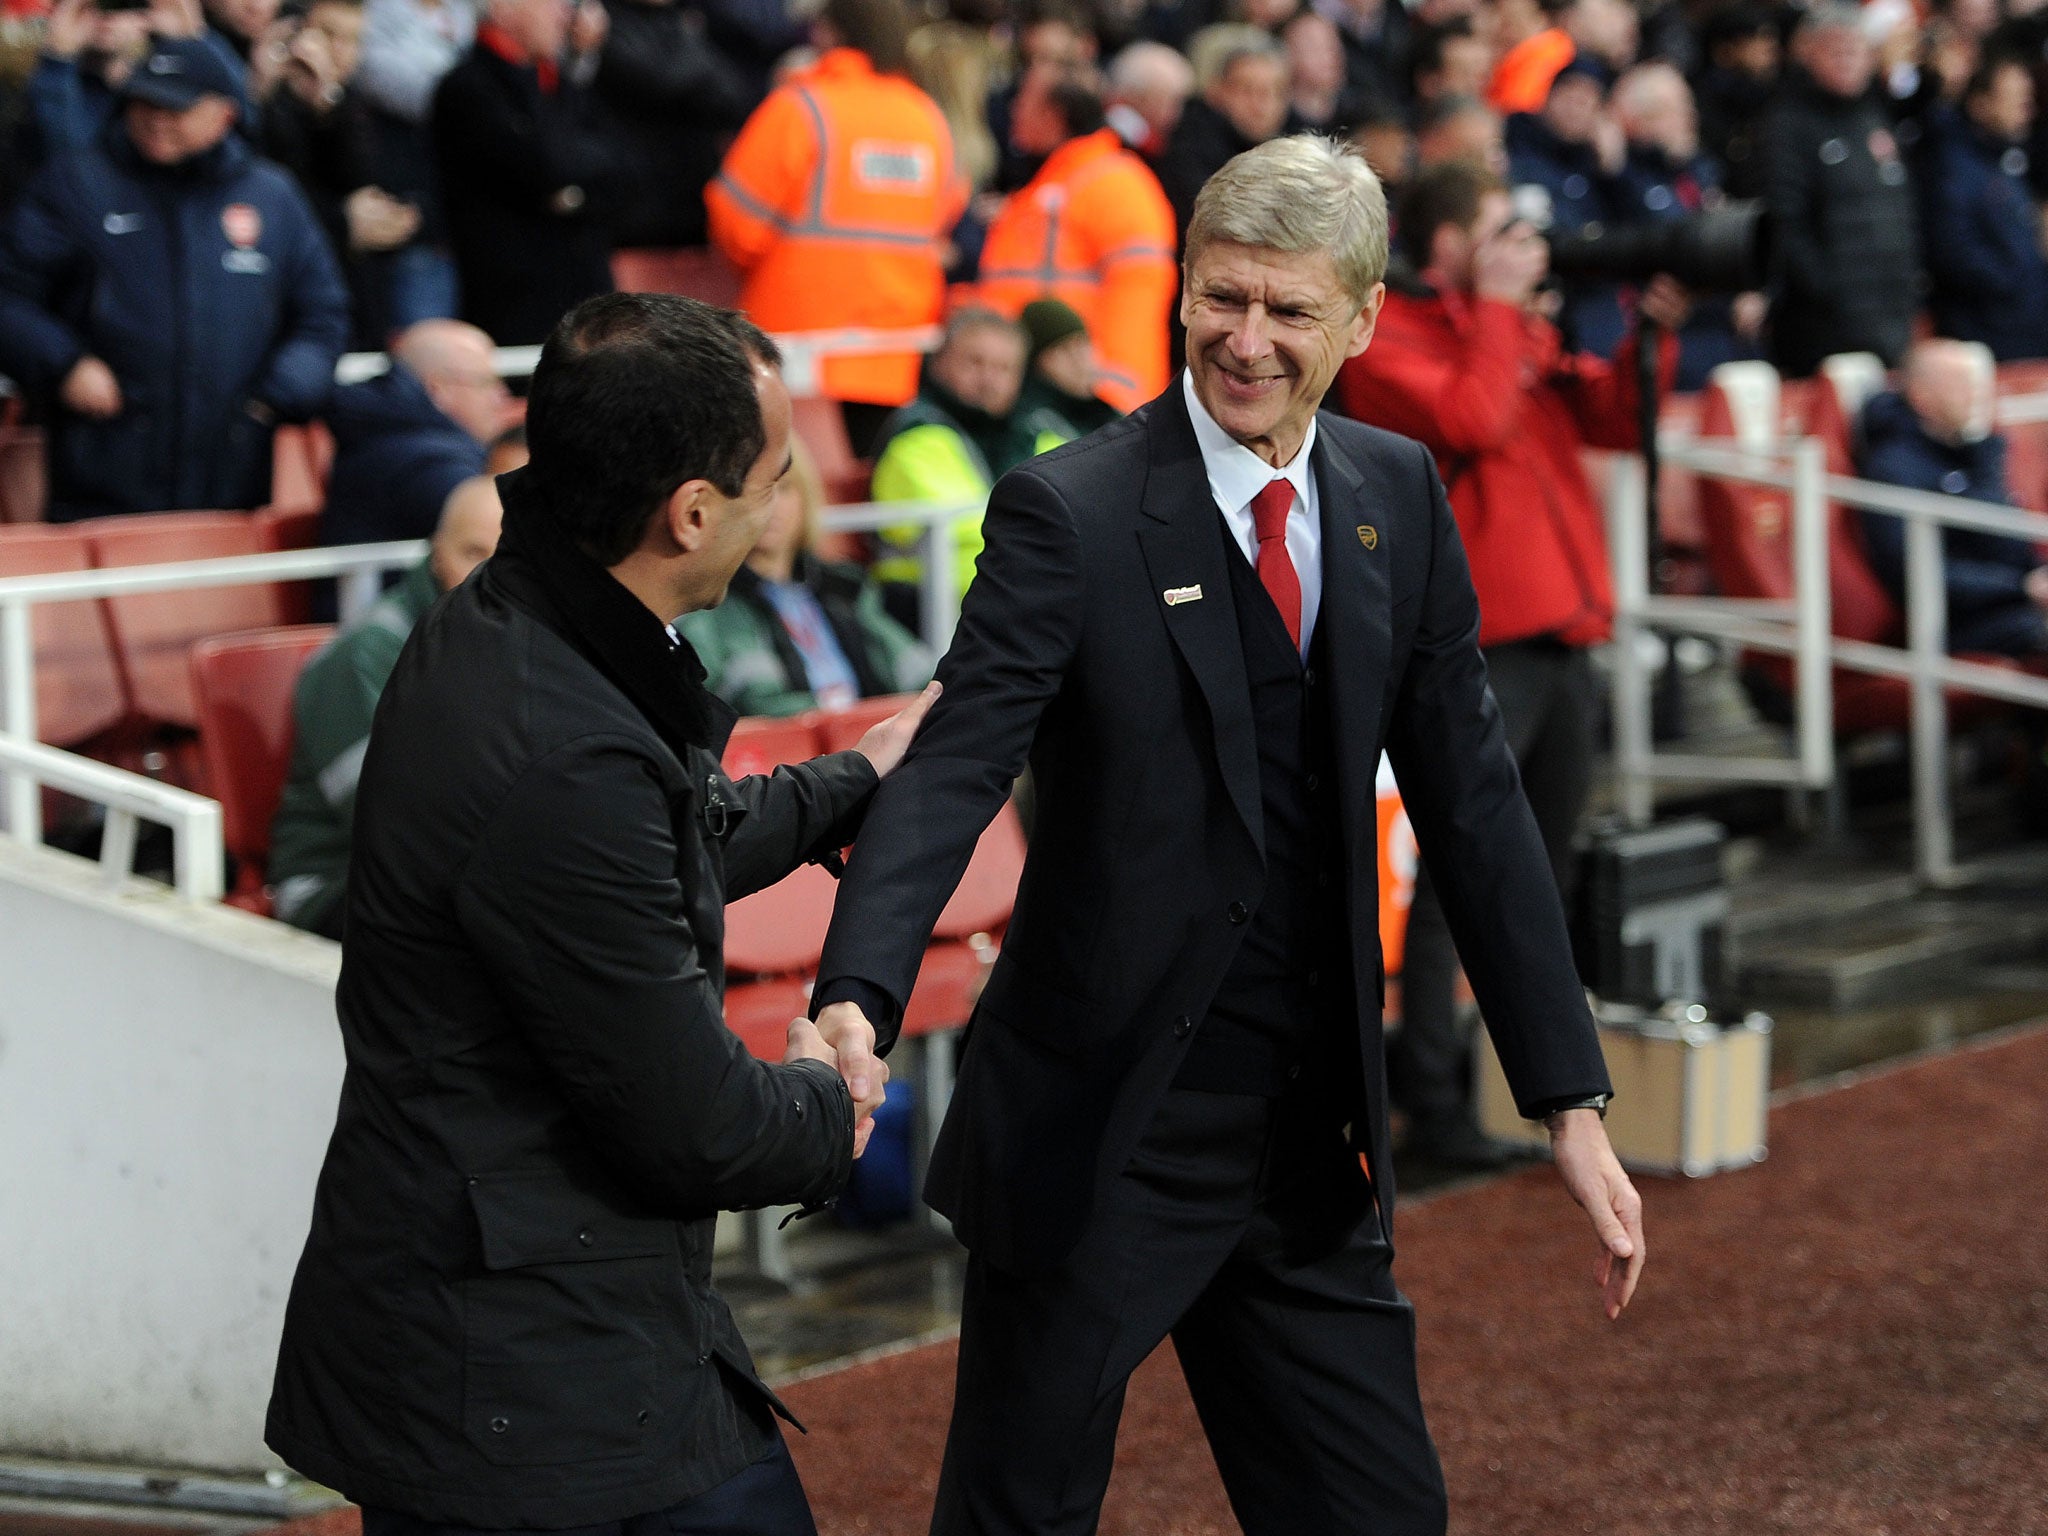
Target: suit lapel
1183,550
1357,629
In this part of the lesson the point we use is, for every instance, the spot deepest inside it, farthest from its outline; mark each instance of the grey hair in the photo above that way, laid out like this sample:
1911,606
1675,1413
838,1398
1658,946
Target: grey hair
1830,16
1304,193
1215,50
977,317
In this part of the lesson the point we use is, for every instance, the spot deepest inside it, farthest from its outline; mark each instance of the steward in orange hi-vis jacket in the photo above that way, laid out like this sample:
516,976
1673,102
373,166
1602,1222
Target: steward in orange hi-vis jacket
1094,229
835,201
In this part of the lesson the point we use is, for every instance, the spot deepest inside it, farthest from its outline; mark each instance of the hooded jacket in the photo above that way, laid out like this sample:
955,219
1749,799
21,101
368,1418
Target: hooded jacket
204,286
396,458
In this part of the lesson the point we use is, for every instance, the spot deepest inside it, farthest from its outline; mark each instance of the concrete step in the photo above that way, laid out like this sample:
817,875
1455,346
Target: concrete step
1891,952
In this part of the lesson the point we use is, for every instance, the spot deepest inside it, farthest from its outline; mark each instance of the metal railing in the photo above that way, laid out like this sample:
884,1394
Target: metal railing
28,766
1802,629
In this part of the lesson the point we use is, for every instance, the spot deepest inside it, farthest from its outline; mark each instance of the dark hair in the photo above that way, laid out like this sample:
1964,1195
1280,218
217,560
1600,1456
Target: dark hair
1427,55
1984,78
878,28
1077,98
1076,18
635,394
1448,193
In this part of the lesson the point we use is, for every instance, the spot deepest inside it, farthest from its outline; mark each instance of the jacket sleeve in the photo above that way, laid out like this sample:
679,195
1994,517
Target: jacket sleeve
481,140
1966,249
1473,824
298,378
687,78
760,188
1789,191
59,116
1464,400
796,815
573,894
1131,234
38,251
1020,626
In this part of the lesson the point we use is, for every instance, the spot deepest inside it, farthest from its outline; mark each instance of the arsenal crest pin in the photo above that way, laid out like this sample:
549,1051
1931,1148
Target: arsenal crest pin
1368,535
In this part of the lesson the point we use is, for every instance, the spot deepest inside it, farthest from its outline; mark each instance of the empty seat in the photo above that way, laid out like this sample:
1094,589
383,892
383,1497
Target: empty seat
695,272
153,632
24,485
243,685
759,744
78,686
301,455
839,729
965,940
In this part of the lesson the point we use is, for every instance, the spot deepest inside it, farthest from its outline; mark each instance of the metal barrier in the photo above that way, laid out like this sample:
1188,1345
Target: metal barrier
1802,629
27,765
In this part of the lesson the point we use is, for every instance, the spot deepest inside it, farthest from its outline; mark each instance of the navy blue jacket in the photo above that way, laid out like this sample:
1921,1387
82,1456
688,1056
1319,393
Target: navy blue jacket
205,287
396,458
1985,574
1990,283
1655,189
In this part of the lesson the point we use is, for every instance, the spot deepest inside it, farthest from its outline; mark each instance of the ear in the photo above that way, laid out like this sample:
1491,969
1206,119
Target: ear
685,515
1187,302
1368,319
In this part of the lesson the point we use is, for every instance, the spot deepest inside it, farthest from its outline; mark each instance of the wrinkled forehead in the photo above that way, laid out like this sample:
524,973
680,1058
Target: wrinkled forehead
1300,279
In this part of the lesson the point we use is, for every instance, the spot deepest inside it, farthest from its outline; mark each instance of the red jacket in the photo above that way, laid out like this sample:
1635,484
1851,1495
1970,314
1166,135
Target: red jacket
1506,410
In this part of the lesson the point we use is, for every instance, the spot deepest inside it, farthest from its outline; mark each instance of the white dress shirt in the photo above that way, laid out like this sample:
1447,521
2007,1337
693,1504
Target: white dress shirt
1236,475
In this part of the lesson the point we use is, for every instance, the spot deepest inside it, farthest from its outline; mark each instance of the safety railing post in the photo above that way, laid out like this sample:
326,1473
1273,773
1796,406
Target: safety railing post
24,806
1628,549
1927,642
1813,691
938,601
199,853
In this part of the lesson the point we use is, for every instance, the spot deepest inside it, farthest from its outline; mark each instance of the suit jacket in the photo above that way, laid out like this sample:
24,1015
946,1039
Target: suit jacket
1146,858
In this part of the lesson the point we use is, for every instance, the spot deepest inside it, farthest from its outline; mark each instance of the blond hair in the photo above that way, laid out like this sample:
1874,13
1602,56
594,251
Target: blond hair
1305,193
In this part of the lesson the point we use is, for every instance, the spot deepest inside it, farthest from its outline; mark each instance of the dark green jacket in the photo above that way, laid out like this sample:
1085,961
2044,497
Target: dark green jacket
756,668
331,712
1052,408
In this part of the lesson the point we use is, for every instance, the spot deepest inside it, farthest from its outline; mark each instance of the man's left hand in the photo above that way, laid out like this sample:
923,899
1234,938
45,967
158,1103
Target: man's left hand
1590,1172
885,744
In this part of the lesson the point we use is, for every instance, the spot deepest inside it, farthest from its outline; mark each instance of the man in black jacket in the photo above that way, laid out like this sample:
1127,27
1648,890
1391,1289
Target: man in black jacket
503,1317
1848,262
529,166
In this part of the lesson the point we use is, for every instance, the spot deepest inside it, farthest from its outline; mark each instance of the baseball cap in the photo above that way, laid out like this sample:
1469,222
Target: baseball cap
179,72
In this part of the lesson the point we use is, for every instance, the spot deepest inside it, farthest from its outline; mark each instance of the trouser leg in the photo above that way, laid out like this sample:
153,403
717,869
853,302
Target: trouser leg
1044,1358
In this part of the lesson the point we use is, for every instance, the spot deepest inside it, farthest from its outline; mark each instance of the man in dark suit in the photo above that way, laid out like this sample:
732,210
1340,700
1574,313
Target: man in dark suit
503,1318
1201,625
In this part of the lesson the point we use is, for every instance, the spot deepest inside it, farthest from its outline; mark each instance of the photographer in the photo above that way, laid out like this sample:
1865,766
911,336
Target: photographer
1466,363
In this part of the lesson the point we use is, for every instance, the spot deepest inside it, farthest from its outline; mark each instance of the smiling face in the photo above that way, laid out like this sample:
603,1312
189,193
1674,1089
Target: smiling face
1267,331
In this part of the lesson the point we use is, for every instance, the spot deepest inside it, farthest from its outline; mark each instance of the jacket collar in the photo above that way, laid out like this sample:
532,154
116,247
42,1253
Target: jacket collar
540,570
494,39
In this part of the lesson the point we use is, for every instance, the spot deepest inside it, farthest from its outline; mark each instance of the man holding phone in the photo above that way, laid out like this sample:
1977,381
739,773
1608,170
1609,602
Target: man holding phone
1466,363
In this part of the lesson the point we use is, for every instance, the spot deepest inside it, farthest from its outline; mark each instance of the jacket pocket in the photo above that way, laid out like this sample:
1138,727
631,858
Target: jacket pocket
1026,1004
566,1328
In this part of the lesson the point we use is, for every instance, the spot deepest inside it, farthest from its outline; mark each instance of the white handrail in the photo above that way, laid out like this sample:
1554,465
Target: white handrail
199,861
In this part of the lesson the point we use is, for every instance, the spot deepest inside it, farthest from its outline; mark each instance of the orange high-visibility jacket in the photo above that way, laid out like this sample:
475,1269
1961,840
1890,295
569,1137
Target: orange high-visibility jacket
835,201
1093,228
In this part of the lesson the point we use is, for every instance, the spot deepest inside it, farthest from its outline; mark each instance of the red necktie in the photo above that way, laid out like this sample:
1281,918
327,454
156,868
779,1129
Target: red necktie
1276,567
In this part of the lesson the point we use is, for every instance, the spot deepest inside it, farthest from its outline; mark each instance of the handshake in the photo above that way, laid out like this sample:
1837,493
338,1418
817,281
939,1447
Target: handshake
844,1039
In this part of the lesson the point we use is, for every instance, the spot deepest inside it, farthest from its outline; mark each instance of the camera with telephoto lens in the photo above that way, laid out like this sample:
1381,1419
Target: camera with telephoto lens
1717,250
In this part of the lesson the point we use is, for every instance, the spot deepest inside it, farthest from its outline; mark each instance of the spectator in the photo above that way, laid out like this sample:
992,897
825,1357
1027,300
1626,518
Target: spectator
1242,94
676,100
796,632
1388,146
1060,374
1093,229
1053,34
1989,280
1532,50
1848,264
317,125
1461,128
1319,100
1450,60
528,167
953,442
332,708
507,452
405,439
1575,153
1463,362
1149,87
173,294
1936,436
1735,91
835,202
1377,38
950,62
1665,179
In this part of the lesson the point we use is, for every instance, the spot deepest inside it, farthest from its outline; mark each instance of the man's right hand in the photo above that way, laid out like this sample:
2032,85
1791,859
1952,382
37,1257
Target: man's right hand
90,389
852,1039
808,1043
885,744
1509,266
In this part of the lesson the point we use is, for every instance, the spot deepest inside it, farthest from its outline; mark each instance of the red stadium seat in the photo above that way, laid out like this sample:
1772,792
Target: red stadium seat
839,729
288,527
244,685
696,273
78,686
760,744
965,938
822,427
300,458
24,487
154,632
